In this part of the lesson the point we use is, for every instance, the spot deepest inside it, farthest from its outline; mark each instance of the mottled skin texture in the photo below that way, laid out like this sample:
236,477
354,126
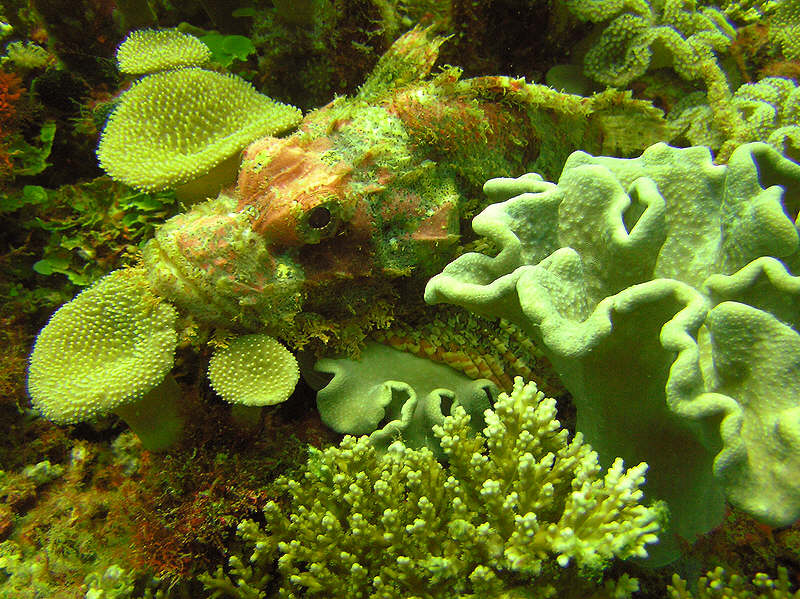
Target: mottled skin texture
333,231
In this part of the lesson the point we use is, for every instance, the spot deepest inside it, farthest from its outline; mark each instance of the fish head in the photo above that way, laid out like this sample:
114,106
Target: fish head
298,193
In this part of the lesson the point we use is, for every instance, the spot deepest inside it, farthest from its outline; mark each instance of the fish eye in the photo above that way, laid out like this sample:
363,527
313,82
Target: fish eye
319,217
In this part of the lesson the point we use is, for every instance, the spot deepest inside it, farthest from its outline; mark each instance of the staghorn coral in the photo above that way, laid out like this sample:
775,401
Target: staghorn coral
661,290
520,511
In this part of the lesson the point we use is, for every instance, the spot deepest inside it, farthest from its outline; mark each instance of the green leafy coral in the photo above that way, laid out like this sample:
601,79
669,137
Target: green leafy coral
769,109
662,289
520,511
785,28
642,34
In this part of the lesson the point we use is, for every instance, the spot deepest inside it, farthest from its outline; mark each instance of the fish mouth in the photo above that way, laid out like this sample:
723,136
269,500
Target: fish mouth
210,263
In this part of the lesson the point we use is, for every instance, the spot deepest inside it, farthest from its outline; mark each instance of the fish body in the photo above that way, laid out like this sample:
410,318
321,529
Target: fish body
331,230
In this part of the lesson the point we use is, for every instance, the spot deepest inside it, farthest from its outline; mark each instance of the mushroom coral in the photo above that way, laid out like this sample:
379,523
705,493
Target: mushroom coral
175,126
110,350
253,370
150,50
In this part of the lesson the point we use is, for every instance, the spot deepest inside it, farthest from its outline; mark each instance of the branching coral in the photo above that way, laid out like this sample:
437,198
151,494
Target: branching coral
520,510
718,585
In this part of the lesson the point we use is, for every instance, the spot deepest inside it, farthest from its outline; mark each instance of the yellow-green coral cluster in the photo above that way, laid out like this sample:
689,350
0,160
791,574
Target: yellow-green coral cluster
26,55
148,51
785,28
176,125
770,111
172,127
519,509
719,585
642,35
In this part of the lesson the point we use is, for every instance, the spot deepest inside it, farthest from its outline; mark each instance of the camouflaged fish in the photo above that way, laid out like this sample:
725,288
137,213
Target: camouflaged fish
331,233
370,196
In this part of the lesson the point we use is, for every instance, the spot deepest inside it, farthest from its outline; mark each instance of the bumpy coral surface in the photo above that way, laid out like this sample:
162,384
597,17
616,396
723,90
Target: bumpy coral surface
661,289
253,370
107,347
173,126
521,509
371,191
646,34
148,51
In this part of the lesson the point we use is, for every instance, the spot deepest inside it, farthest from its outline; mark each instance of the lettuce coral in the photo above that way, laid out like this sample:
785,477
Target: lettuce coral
770,111
521,511
644,34
661,289
389,393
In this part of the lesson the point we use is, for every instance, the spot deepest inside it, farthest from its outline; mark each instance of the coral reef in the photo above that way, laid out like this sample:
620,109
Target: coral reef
520,511
641,35
150,51
770,112
371,189
108,350
324,248
718,584
253,370
386,393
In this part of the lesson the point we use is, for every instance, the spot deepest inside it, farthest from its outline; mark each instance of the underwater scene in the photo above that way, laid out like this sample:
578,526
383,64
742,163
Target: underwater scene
400,299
